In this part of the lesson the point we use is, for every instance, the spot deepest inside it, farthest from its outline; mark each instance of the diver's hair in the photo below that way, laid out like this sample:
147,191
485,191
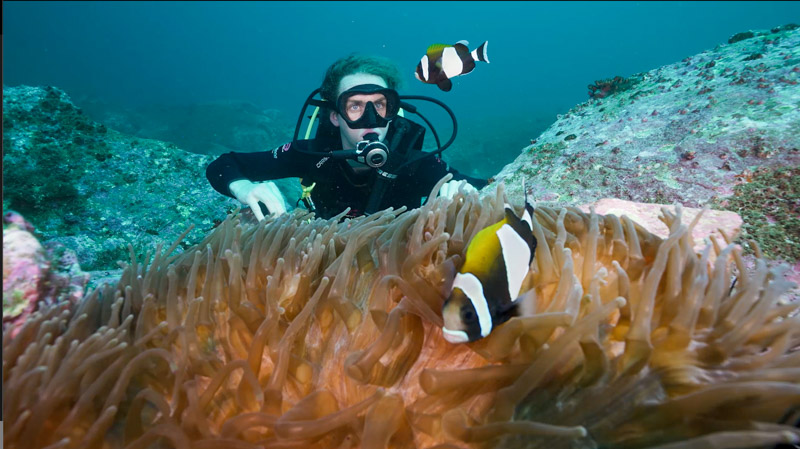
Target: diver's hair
356,63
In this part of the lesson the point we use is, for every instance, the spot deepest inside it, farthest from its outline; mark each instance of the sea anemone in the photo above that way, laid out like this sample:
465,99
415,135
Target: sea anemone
299,332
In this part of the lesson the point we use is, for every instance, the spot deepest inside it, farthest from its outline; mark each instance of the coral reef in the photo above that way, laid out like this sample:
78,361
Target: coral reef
299,332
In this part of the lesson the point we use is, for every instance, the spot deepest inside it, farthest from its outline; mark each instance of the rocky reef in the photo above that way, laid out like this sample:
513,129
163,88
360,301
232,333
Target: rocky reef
95,190
720,128
36,276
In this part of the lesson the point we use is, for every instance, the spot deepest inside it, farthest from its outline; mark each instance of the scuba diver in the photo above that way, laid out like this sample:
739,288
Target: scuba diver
365,155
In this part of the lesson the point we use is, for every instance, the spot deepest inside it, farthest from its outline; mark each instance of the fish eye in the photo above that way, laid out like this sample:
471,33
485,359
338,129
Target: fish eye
467,315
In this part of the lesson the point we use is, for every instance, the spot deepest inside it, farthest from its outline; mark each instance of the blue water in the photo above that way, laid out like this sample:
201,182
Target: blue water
272,54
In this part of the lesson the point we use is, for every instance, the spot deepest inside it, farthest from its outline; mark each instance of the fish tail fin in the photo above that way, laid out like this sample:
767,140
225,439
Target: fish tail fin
481,53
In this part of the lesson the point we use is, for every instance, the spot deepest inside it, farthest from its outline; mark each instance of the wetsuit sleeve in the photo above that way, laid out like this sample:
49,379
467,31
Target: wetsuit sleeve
279,163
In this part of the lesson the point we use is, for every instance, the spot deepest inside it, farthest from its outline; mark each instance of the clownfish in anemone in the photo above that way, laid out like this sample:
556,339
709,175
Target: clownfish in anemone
486,292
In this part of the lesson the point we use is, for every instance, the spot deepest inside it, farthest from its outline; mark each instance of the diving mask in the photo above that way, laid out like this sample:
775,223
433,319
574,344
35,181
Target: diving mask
376,110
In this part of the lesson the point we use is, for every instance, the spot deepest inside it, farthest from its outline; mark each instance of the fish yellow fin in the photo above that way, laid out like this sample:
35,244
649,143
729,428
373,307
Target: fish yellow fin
436,48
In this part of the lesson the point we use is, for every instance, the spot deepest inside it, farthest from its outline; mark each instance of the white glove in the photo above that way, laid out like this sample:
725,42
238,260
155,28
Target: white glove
251,193
450,188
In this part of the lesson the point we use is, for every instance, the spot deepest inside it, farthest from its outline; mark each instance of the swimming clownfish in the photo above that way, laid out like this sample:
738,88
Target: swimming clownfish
486,292
442,62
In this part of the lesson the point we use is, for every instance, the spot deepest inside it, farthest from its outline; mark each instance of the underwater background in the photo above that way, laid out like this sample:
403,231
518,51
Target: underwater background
660,143
142,66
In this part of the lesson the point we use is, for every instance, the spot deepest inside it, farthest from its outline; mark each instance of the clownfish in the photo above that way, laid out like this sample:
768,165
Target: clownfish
486,292
442,62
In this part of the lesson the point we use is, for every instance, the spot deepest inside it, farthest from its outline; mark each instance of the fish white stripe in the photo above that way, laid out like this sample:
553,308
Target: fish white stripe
425,67
451,63
526,216
472,287
454,336
516,255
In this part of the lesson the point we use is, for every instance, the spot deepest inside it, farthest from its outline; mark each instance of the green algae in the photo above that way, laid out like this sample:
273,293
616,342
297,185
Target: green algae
668,180
770,206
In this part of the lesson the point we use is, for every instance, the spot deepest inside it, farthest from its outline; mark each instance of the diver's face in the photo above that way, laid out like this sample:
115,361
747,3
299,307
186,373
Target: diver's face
350,137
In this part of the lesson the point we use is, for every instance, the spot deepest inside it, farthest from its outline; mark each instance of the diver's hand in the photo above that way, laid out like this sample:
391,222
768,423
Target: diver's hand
449,189
251,193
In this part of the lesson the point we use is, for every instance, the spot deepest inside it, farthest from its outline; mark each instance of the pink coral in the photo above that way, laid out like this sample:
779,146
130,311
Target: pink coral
33,275
24,267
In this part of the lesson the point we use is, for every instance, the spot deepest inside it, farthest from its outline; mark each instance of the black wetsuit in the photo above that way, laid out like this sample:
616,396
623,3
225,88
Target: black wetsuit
338,185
